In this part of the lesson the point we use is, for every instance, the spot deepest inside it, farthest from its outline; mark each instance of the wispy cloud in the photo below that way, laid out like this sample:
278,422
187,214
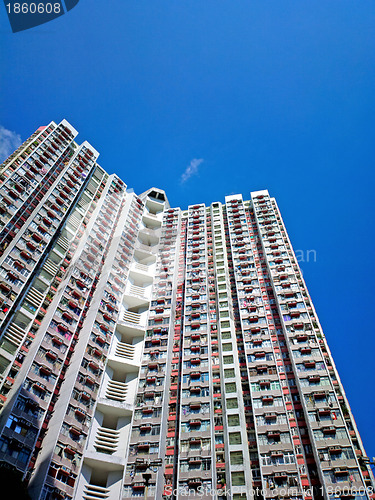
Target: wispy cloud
191,169
9,142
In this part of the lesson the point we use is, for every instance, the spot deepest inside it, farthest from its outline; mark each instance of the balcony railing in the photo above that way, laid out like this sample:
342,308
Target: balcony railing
142,267
106,440
146,248
139,291
124,350
93,492
116,391
131,317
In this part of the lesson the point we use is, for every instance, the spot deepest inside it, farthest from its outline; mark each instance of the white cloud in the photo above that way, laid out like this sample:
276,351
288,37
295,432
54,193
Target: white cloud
191,169
9,142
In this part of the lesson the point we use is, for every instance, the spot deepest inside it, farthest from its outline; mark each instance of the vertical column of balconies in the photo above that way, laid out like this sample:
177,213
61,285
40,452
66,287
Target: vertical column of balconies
172,269
232,458
196,450
329,438
24,150
155,416
41,371
149,258
308,478
172,448
29,178
107,443
218,454
243,279
36,246
270,434
33,307
19,335
244,283
107,437
29,188
57,466
280,355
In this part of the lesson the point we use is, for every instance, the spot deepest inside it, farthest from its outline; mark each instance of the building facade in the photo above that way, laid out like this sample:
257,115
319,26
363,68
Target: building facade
153,352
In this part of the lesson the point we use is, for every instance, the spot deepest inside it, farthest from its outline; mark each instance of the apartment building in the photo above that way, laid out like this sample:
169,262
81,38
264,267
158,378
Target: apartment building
153,352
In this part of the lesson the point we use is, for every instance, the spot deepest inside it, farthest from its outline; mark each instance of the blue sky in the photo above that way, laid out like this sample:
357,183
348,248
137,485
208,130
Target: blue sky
261,94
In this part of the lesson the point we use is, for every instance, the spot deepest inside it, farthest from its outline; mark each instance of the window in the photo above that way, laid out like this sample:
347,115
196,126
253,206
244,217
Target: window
206,464
184,466
238,478
155,431
230,387
340,433
232,403
235,438
283,437
333,478
206,444
219,439
233,420
236,457
255,387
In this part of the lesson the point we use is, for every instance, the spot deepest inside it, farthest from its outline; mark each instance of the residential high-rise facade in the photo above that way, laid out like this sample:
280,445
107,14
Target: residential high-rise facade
153,352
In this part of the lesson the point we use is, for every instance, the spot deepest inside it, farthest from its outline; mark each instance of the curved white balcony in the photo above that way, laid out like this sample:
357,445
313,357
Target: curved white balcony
134,318
138,294
106,440
154,206
142,272
116,391
151,220
93,492
125,351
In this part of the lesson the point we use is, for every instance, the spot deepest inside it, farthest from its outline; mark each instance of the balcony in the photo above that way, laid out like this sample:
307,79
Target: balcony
125,351
329,431
117,391
106,440
154,205
151,220
309,364
146,248
134,318
142,272
142,267
138,292
15,335
93,492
